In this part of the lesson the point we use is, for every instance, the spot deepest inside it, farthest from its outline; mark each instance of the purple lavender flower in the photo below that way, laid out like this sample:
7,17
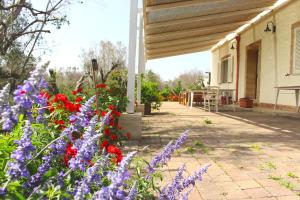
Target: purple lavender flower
2,192
91,177
83,117
4,96
196,176
17,168
133,192
86,147
165,155
172,191
118,177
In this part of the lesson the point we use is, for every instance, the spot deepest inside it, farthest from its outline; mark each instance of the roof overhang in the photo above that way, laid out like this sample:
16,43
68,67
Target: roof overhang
176,27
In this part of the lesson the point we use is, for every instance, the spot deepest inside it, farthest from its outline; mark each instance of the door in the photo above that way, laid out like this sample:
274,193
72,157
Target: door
252,71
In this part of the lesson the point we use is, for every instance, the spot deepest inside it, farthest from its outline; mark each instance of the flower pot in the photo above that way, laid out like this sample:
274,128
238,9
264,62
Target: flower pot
246,103
147,110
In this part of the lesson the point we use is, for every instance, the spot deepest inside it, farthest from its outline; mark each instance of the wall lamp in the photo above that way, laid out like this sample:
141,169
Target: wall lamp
233,45
272,25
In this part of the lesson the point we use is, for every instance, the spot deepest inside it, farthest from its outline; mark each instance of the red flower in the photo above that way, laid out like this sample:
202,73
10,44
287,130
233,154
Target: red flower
45,94
113,137
128,135
104,144
116,151
101,85
112,122
117,113
74,92
106,131
60,122
78,99
103,113
23,92
79,90
119,127
60,97
71,152
111,107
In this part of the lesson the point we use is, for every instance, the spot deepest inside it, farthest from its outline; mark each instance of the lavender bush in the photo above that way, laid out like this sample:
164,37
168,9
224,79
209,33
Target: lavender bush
41,161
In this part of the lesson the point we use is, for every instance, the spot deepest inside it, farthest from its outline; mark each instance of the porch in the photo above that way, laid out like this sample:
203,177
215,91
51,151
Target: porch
252,155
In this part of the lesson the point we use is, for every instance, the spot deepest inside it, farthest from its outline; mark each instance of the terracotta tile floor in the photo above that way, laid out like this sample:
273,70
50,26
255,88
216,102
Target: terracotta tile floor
252,155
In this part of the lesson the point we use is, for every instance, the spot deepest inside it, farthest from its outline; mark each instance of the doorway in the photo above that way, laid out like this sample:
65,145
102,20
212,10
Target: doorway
253,71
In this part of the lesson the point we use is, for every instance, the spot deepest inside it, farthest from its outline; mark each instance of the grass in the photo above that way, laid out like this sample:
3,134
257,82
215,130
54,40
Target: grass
292,175
268,166
207,121
191,150
199,145
285,183
256,147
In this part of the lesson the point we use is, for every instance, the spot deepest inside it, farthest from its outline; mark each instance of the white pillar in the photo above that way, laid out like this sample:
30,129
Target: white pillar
131,55
141,64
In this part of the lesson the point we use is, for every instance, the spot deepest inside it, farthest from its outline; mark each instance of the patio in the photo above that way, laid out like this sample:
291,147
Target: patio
252,155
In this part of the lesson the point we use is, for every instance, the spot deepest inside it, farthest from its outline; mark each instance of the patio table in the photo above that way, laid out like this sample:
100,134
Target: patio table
193,93
295,88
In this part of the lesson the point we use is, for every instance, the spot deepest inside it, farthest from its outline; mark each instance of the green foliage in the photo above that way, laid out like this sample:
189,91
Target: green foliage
292,175
150,94
200,145
256,147
117,82
146,186
207,121
165,93
178,88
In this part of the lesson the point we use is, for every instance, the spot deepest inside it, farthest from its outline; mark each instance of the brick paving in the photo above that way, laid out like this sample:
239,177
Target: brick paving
252,155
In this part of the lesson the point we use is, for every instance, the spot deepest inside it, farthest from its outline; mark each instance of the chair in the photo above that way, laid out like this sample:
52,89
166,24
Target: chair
211,98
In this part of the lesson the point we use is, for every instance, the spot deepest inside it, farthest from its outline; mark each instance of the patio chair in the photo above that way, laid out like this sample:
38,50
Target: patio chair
211,98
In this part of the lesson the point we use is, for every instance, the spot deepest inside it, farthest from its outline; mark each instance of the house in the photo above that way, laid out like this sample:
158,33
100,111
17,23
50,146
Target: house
262,55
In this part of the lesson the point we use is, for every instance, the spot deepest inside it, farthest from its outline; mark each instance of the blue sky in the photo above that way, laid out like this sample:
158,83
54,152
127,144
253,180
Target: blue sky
97,20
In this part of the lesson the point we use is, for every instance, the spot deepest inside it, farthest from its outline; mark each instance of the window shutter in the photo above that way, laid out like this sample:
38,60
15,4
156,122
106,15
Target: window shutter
230,69
297,51
219,73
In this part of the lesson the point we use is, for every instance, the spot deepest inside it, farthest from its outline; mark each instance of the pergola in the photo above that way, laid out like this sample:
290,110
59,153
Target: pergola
176,27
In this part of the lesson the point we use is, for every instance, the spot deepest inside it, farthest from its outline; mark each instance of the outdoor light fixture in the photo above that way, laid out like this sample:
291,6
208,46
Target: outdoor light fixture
94,64
272,25
209,77
232,45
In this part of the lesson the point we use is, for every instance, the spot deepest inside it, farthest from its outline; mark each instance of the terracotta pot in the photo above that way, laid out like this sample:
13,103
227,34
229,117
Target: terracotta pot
147,110
246,103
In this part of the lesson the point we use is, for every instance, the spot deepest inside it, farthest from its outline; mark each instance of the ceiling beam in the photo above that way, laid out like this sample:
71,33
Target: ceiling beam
178,4
179,52
193,32
179,22
188,40
181,47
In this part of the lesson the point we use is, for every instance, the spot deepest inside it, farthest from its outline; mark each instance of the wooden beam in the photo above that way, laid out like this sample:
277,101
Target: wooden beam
176,53
193,32
205,38
178,4
200,19
181,47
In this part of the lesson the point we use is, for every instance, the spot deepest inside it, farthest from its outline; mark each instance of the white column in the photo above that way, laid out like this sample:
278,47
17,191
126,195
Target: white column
131,55
141,66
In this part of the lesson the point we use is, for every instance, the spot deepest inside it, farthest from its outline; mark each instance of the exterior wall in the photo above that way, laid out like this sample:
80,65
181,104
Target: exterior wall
275,56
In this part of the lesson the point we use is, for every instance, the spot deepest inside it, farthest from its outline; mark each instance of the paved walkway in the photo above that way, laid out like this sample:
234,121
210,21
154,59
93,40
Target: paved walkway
253,156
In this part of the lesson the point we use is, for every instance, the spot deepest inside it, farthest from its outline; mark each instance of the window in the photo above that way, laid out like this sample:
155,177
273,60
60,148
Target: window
295,64
225,70
297,50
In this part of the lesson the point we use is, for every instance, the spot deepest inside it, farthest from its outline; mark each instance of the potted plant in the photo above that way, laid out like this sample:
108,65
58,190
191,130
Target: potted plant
246,102
150,96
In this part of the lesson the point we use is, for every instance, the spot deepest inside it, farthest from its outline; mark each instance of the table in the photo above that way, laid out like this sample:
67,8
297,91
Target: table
295,88
192,93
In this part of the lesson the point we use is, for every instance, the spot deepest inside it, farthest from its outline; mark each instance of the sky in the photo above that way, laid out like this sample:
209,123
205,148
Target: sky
97,20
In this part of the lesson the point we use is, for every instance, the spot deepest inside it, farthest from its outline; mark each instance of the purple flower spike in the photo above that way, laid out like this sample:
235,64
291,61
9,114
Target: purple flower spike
17,168
165,155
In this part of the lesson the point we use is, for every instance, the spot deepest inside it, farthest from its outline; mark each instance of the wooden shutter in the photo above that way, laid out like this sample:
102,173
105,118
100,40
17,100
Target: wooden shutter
297,51
230,69
219,72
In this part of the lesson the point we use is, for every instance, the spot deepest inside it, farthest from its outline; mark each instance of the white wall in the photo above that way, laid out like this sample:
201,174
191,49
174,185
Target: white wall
275,56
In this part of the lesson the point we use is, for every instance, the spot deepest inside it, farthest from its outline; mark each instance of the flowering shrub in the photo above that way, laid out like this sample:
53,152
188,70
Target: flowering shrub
54,147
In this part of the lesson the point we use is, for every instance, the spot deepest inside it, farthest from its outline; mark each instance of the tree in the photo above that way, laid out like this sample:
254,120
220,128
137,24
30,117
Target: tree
109,57
193,79
22,26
